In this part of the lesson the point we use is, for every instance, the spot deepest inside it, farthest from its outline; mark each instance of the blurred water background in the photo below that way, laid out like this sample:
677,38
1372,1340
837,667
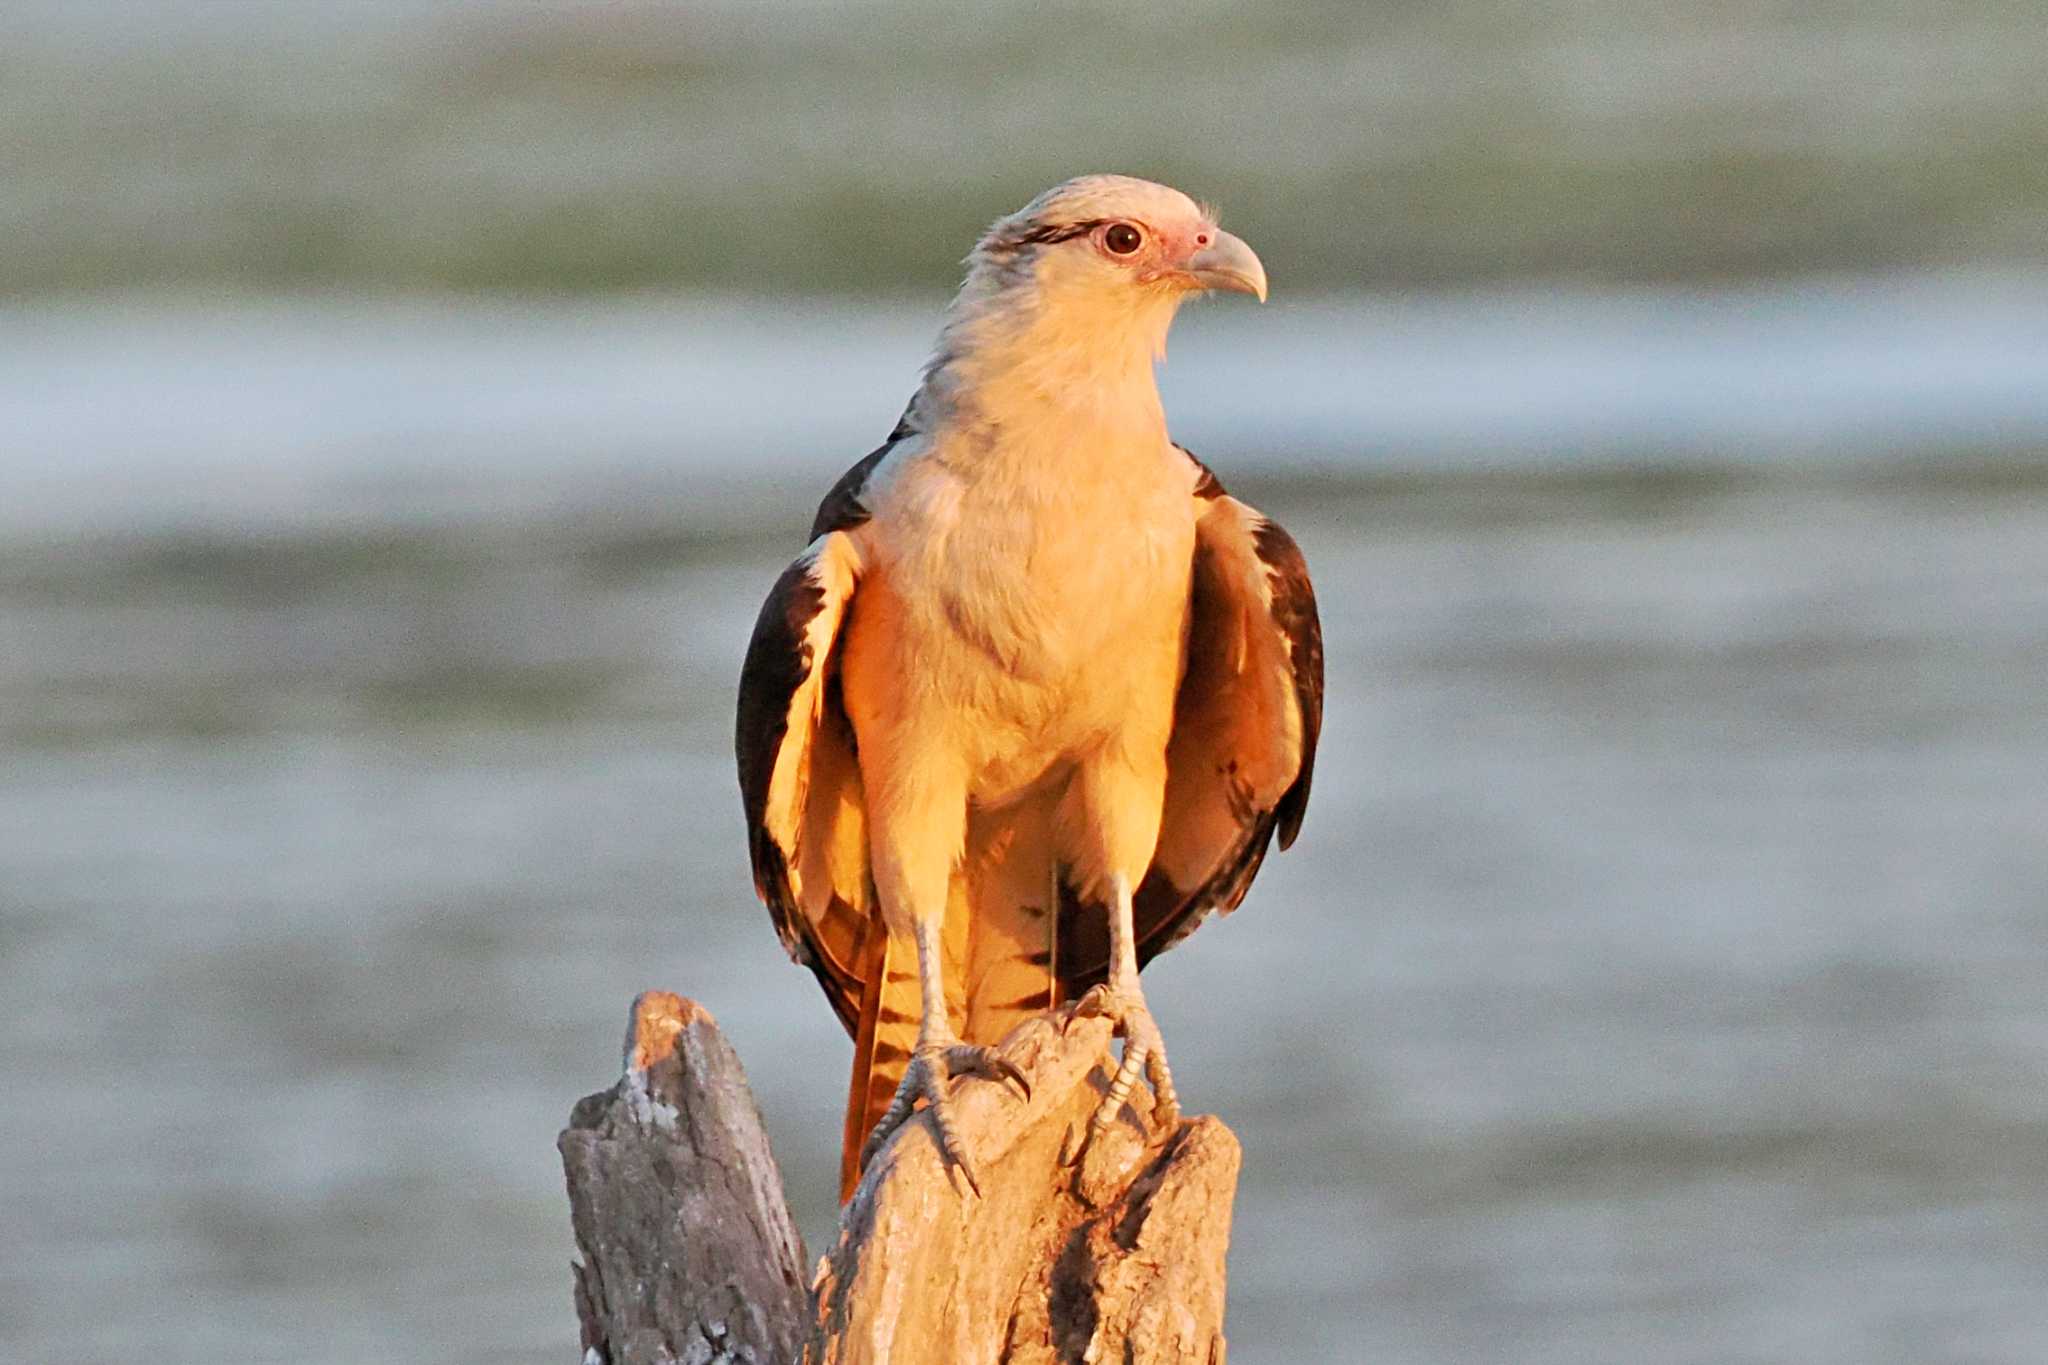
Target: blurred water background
404,407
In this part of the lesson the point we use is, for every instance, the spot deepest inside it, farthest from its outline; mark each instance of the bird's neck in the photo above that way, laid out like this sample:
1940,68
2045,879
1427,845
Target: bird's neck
1063,362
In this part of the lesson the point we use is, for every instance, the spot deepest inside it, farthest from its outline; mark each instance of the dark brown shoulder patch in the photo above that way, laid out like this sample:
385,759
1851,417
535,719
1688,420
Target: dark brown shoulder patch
1294,612
842,509
1207,485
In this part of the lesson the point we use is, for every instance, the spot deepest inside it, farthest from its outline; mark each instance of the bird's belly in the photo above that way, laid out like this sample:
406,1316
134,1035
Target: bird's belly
1034,734
1019,678
1061,668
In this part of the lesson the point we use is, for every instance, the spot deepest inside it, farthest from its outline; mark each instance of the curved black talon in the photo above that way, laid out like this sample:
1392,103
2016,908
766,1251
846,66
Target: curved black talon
972,1059
1144,1055
932,1069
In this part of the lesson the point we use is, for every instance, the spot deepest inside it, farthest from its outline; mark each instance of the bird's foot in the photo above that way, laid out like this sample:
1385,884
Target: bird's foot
933,1066
1144,1053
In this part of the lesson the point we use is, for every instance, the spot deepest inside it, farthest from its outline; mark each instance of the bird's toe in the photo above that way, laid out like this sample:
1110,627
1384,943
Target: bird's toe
972,1059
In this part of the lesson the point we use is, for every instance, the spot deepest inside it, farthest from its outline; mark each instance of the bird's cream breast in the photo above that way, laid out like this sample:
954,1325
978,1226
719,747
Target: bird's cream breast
1040,603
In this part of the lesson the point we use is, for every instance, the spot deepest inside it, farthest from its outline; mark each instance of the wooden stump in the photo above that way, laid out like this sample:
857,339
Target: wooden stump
688,1248
689,1253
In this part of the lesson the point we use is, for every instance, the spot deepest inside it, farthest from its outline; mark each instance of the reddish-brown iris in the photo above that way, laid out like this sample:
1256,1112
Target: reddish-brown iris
1121,239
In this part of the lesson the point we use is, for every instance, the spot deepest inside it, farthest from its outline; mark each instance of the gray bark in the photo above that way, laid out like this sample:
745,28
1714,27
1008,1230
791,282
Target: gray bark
689,1253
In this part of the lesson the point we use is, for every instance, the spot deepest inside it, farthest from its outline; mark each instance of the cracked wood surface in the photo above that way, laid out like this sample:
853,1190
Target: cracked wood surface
688,1251
688,1248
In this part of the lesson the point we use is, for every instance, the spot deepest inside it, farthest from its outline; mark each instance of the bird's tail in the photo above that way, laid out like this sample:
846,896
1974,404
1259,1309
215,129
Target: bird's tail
889,1006
999,953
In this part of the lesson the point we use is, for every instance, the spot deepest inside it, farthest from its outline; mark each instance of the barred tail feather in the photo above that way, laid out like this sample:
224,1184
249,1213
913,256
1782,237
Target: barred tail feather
1000,956
1013,949
889,1008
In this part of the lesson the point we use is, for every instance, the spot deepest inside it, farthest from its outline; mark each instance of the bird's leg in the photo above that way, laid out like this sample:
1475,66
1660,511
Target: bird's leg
938,1059
1121,1000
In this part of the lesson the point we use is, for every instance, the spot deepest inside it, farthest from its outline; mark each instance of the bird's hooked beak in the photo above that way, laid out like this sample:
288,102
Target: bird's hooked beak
1227,263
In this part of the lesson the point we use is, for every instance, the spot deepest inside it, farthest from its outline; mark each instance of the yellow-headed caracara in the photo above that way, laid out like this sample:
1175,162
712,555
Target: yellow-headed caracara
1039,693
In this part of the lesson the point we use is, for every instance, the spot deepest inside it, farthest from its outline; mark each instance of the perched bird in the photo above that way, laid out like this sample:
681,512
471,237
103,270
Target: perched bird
1039,693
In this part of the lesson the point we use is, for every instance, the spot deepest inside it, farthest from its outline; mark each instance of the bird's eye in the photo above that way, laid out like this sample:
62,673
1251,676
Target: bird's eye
1122,239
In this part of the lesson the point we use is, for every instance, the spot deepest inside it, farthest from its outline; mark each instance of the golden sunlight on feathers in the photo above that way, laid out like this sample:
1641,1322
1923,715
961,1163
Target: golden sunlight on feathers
1039,695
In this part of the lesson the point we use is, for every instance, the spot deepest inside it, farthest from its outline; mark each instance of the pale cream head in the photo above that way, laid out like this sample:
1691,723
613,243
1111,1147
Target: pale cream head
1068,301
1114,233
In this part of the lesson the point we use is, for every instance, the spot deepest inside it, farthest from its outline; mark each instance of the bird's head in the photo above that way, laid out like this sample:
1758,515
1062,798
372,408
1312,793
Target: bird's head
1115,237
1082,283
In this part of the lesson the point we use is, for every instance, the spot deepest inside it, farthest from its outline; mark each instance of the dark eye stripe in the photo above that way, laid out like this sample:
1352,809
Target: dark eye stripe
1057,232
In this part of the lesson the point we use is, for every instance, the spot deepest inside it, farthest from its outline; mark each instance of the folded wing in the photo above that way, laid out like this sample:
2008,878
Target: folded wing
1246,720
799,780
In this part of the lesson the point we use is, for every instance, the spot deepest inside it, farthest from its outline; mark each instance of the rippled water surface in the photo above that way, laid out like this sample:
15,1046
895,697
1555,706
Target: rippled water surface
1662,974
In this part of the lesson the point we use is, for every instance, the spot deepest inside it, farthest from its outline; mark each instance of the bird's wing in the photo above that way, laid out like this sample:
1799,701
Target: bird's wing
845,507
799,778
1245,724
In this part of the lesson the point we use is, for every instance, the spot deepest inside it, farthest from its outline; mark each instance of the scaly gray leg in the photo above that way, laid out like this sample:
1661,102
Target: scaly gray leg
938,1059
1121,1000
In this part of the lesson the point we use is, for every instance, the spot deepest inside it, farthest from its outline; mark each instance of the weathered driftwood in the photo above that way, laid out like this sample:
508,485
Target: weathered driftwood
689,1253
688,1247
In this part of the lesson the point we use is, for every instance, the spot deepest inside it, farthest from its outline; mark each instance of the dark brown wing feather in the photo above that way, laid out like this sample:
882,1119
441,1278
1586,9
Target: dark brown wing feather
799,777
1294,613
842,508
